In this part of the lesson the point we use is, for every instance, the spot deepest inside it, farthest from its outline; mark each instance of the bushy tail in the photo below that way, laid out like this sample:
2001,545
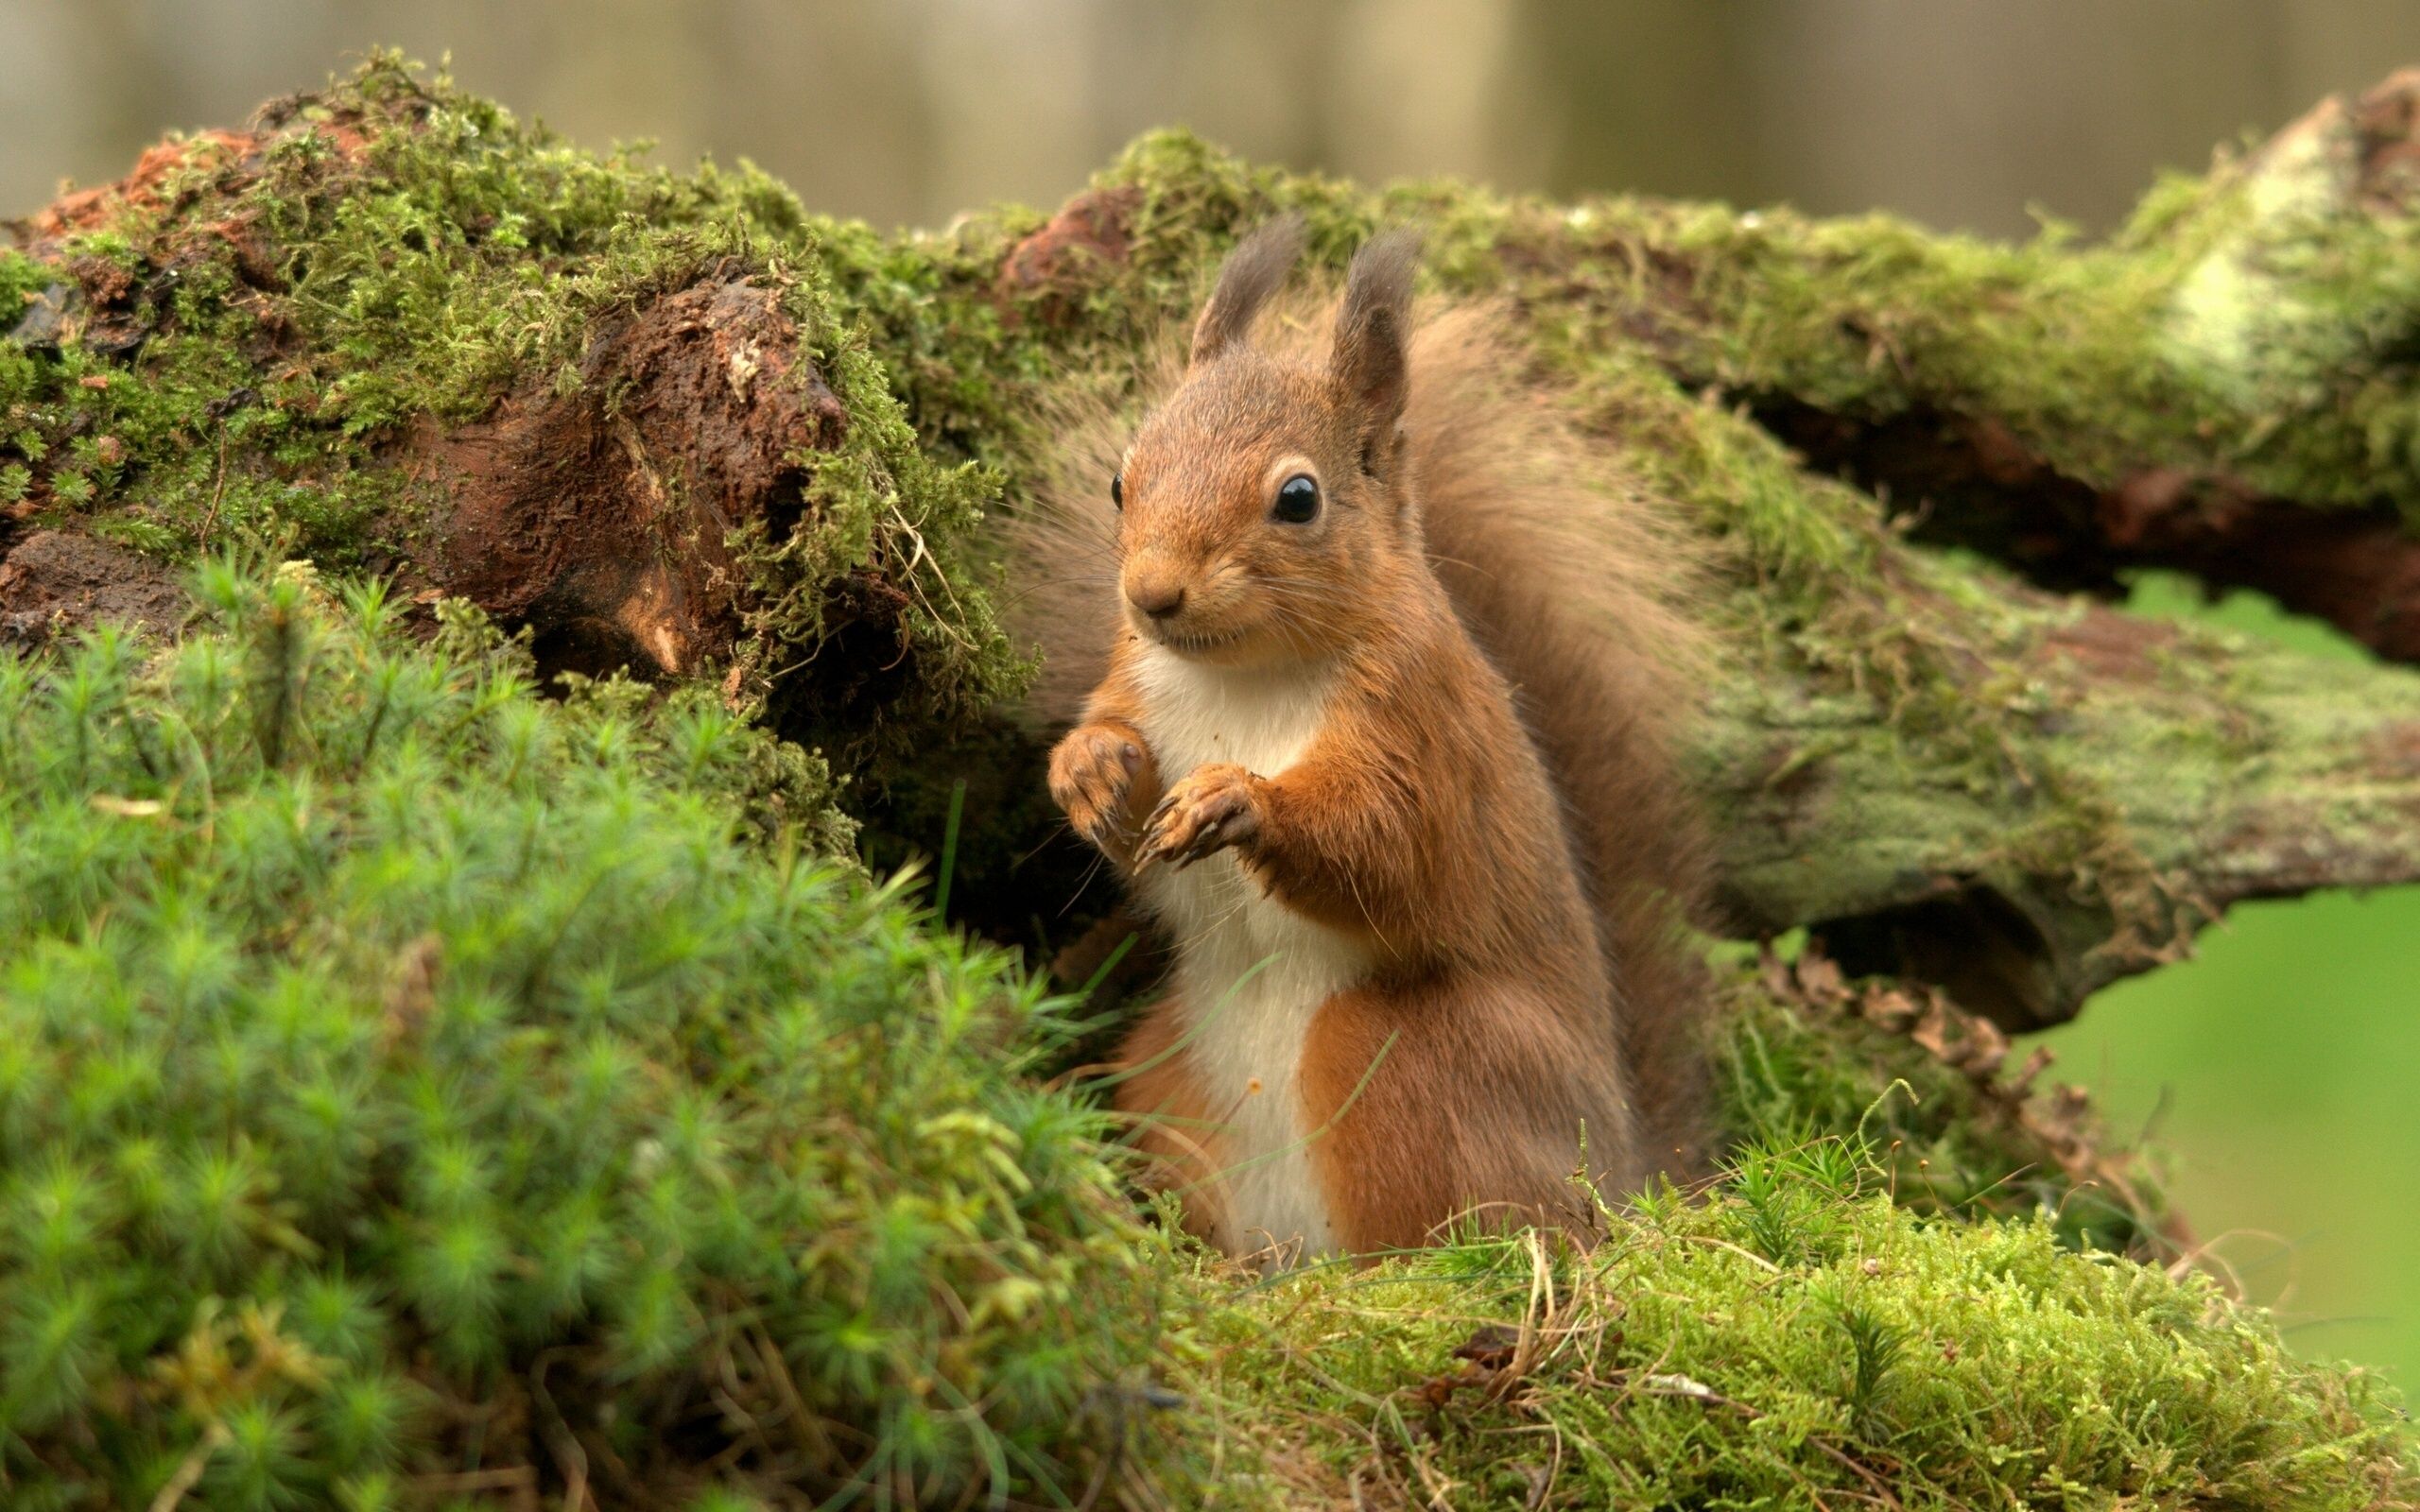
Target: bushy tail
1579,589
1568,577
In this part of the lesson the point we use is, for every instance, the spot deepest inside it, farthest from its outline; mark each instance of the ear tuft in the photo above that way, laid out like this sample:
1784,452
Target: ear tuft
1253,272
1368,368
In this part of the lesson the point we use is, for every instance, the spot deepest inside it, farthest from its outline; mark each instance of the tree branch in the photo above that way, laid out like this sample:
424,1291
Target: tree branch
2227,386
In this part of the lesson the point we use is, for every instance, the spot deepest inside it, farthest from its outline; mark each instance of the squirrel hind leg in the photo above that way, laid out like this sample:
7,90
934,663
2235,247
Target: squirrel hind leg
1173,1127
1430,1114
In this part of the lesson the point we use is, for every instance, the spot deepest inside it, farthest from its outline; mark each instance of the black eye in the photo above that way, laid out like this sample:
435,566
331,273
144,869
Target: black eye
1298,500
1118,489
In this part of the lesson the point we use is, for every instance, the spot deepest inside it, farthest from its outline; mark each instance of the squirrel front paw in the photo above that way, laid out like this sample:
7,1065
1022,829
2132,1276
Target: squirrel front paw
1214,807
1095,774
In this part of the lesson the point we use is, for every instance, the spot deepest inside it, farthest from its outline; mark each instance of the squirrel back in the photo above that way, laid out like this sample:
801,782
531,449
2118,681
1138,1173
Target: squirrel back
1571,584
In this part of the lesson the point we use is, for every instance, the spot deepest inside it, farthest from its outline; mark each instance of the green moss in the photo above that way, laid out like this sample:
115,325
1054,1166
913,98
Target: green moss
378,1041
544,1047
21,282
384,1044
1791,1070
393,254
1792,1338
2249,323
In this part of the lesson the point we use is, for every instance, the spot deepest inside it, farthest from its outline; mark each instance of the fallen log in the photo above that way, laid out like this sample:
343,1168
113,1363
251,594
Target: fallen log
676,422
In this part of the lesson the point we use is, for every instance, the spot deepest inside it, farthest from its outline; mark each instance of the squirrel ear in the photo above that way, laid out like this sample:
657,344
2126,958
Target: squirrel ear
1253,272
1369,369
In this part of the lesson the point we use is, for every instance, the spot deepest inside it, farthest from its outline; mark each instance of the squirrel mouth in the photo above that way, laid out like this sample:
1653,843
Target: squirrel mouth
1184,644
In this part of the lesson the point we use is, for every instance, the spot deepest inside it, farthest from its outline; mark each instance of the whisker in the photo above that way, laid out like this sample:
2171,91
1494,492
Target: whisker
1032,589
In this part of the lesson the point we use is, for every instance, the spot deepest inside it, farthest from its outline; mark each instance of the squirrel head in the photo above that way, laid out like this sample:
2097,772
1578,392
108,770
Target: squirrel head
1264,509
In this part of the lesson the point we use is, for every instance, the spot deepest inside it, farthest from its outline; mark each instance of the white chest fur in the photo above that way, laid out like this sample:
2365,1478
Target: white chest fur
1250,974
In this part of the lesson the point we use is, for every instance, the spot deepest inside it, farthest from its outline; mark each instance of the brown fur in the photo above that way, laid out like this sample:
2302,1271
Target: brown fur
1491,804
1180,1136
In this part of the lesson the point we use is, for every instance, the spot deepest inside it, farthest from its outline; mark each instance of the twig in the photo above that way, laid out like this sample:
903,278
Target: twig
189,1472
217,491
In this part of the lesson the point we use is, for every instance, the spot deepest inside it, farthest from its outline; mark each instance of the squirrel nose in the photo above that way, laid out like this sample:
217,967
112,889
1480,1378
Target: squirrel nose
1157,598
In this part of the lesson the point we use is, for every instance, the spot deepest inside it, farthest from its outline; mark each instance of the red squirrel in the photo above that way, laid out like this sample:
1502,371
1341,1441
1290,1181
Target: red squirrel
1379,744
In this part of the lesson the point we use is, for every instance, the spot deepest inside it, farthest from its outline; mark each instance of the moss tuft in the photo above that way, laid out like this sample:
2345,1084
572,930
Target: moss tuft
1792,1338
404,1077
1801,1056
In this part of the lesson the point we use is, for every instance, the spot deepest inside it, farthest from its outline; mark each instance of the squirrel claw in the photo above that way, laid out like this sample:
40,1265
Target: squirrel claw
1094,773
1212,809
1205,845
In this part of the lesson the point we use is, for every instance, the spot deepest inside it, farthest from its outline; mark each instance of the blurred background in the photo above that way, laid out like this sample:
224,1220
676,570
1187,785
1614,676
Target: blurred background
2275,1069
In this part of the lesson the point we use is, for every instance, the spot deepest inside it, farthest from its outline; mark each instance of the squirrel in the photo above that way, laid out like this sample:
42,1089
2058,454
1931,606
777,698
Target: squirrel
1380,739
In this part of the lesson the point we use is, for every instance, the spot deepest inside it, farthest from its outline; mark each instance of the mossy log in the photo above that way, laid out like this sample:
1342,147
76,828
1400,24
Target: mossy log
676,421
